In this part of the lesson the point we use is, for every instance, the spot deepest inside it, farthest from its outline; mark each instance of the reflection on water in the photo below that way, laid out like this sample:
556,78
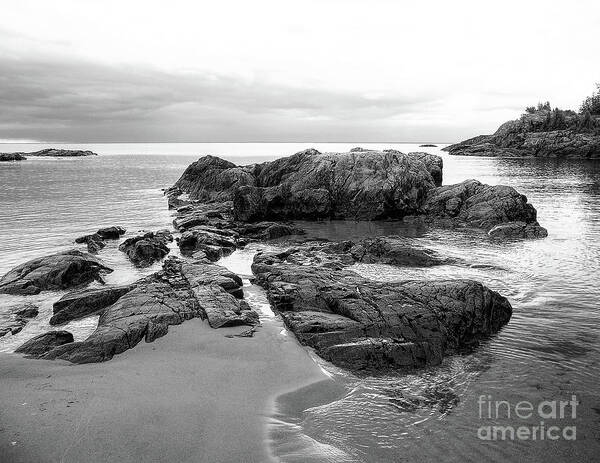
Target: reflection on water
549,350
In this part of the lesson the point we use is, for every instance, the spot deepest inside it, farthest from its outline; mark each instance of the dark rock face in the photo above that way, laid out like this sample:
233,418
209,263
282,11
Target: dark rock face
394,252
144,250
434,164
15,320
58,271
475,204
111,233
179,292
6,157
212,178
41,344
94,242
78,304
61,153
361,324
310,185
515,230
531,136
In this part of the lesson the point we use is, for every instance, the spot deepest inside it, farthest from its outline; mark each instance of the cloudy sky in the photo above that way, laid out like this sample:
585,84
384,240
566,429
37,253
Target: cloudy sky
287,70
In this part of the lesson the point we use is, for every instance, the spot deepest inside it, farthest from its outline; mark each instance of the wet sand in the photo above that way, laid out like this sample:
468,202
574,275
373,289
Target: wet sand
191,396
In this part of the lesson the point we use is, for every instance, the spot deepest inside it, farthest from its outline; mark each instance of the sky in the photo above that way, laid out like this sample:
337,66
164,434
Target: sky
286,70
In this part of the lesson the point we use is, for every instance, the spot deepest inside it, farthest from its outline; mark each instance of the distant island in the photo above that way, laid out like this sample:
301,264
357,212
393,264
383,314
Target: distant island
48,152
542,131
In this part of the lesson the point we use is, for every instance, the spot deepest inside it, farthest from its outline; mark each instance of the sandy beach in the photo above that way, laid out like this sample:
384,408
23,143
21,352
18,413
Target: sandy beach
192,396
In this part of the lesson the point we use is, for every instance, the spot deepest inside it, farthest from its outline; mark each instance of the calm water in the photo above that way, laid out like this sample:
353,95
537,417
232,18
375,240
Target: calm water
549,350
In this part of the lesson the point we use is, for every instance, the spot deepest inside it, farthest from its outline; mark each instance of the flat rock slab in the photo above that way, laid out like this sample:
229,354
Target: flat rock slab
78,304
362,324
58,271
41,344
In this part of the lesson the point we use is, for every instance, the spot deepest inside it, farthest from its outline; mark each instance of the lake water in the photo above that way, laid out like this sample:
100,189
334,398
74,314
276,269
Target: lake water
550,350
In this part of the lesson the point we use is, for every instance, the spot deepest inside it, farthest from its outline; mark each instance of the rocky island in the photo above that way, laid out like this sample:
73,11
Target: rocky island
47,152
349,320
540,132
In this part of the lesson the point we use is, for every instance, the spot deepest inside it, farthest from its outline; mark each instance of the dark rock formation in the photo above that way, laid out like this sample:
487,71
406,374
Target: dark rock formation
361,324
512,230
361,184
78,304
544,133
477,205
213,242
427,145
41,344
144,250
27,311
95,242
179,292
395,251
57,271
5,157
310,185
111,233
15,319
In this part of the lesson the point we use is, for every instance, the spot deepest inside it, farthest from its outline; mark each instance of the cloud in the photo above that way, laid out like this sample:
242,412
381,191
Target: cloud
70,100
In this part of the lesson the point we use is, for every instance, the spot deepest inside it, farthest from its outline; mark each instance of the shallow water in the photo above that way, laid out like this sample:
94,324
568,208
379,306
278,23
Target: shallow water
549,350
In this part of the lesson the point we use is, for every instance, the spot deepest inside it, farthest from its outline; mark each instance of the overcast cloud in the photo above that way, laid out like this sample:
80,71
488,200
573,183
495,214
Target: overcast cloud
329,70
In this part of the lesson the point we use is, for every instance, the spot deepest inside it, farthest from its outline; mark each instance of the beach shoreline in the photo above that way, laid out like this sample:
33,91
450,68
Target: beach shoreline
193,395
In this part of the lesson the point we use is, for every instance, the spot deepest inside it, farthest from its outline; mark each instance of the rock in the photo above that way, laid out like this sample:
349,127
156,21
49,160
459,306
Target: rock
362,324
58,271
361,185
212,178
6,157
544,133
111,233
11,323
179,292
94,242
357,185
213,243
202,274
78,304
517,230
41,344
54,152
427,145
27,311
267,230
477,205
144,250
394,251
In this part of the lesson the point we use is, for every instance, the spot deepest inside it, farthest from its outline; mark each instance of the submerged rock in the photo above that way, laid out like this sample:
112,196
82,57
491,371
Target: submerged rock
362,324
144,250
78,304
518,230
58,271
27,311
111,233
94,242
43,343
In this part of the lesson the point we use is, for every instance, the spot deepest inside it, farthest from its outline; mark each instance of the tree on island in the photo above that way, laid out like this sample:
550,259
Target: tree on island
591,104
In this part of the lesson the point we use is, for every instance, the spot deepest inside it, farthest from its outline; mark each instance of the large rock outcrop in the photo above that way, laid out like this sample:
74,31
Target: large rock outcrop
544,133
362,324
60,153
144,310
478,205
360,184
58,271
